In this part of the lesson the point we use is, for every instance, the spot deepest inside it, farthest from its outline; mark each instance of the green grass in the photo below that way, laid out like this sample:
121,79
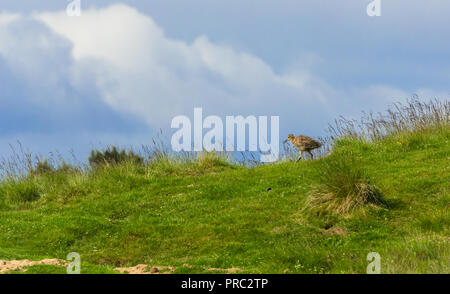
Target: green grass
384,189
210,214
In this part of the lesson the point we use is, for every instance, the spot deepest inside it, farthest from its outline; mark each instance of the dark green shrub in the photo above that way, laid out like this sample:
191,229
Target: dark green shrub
43,167
112,156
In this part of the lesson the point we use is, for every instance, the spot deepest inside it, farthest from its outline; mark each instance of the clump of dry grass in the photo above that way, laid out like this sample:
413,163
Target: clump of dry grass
324,201
344,186
24,164
212,159
412,117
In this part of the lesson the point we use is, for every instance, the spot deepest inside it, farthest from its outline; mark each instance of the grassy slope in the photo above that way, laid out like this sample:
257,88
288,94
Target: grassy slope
223,216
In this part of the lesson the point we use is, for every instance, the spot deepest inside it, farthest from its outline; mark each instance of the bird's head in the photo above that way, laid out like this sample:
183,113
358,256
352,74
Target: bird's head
290,137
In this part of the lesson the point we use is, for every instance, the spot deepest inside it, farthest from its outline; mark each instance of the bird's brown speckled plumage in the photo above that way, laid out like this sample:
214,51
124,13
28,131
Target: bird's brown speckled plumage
304,143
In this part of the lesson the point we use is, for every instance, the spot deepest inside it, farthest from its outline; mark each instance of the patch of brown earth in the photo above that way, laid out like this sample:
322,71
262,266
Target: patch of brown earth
143,269
228,270
17,265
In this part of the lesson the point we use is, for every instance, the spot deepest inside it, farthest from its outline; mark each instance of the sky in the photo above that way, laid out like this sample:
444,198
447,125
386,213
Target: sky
122,70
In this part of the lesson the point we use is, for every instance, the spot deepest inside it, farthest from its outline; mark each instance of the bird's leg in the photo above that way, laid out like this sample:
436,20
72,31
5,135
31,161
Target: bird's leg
301,156
312,156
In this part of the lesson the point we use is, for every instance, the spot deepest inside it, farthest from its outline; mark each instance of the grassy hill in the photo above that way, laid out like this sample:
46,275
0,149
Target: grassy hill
387,193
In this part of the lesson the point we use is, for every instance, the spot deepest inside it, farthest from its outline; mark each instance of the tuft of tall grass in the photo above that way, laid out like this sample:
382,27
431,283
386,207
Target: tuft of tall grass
25,190
23,164
413,117
212,159
344,186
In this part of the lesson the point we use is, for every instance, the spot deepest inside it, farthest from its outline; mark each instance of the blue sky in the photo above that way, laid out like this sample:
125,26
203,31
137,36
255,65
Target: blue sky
124,69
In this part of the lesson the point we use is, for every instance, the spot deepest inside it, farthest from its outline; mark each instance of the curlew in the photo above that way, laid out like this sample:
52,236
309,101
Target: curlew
303,143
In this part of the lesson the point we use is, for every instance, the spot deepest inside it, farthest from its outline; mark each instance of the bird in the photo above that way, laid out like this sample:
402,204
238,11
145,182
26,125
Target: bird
303,143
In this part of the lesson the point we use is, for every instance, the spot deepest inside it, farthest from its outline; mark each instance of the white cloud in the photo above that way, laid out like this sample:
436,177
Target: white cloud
41,90
140,71
6,17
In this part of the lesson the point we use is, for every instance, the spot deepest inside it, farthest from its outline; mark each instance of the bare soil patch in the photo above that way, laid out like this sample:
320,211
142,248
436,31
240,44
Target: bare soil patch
228,270
142,269
18,265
